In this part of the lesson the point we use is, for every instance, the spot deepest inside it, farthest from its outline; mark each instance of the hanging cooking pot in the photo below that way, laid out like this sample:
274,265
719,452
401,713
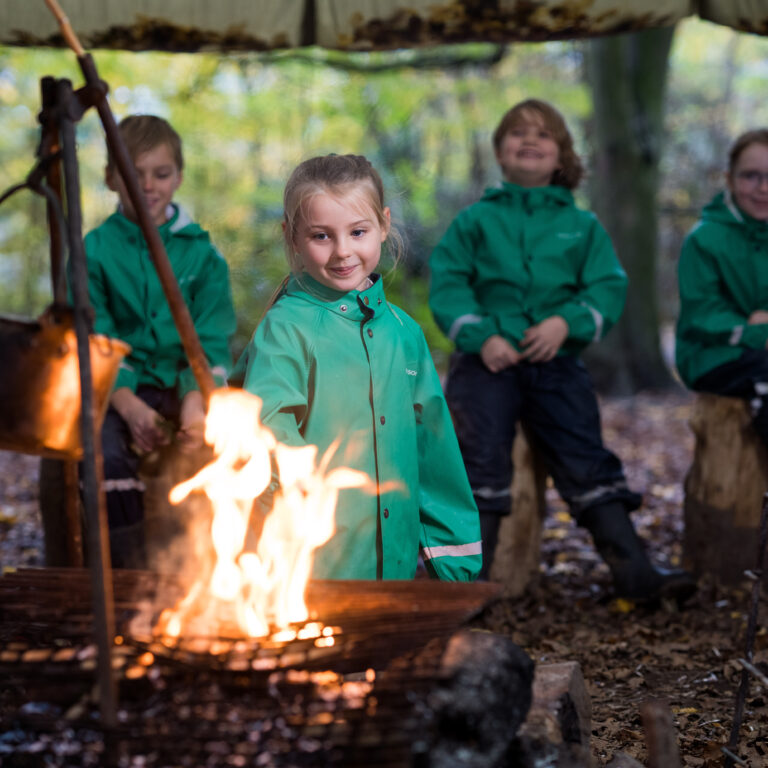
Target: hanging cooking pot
40,402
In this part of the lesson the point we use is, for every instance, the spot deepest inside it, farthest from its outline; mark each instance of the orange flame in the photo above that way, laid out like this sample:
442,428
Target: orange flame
253,592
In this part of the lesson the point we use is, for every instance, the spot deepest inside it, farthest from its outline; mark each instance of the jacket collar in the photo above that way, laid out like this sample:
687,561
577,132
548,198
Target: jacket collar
178,222
354,305
723,209
537,196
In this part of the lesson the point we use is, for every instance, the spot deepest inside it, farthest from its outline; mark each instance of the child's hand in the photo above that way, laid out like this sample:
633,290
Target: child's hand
541,342
191,423
758,317
497,354
145,423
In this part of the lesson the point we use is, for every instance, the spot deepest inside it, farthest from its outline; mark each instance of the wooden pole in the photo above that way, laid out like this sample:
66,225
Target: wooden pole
741,694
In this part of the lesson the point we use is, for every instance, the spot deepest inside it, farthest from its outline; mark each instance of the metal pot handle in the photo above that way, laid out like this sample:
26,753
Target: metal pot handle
34,184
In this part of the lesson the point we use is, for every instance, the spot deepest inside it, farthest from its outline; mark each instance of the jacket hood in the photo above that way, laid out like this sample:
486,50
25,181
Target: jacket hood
551,195
179,223
722,209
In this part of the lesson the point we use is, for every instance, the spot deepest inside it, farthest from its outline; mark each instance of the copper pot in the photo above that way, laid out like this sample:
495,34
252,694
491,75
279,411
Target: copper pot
40,383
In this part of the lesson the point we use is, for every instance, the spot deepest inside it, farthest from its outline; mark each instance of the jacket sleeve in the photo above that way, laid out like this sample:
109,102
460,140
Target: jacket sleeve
599,302
451,296
213,315
449,535
103,320
709,315
277,371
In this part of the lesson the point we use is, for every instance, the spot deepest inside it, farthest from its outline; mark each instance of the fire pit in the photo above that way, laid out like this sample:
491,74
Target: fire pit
364,695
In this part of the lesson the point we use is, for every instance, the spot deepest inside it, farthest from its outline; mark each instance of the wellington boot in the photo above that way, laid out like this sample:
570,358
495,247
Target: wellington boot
489,533
634,576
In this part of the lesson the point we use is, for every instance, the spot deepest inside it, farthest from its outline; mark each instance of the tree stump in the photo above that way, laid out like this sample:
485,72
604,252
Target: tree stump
561,710
177,535
723,489
518,552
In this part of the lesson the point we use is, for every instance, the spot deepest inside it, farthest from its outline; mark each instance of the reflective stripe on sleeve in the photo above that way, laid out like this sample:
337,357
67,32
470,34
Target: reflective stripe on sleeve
453,550
598,318
736,334
460,322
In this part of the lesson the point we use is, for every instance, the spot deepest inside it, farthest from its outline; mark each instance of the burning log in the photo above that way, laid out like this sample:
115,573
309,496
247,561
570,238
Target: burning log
477,710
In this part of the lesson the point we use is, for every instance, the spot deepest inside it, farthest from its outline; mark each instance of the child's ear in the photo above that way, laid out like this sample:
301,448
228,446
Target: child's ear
109,178
388,223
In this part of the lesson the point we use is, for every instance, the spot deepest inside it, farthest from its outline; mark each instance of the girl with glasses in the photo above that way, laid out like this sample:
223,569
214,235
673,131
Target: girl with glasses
722,332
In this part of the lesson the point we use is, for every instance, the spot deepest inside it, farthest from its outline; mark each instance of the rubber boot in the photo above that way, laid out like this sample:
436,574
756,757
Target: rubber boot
489,533
634,576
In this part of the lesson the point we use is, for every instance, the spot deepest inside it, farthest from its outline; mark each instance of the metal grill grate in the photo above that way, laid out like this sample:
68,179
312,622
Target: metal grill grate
238,702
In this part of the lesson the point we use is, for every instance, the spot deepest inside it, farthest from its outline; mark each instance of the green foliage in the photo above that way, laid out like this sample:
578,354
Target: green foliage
424,118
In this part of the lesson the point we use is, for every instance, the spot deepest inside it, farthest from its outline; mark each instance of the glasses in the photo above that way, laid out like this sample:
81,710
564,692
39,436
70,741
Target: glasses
752,178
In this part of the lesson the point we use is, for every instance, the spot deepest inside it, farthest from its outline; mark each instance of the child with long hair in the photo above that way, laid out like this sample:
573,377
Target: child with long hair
522,281
337,365
722,331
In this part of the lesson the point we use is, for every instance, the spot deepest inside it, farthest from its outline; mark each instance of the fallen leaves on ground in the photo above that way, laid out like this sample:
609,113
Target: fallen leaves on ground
687,658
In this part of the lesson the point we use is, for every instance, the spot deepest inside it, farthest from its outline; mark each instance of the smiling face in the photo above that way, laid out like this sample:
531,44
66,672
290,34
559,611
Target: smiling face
748,181
528,152
159,178
338,240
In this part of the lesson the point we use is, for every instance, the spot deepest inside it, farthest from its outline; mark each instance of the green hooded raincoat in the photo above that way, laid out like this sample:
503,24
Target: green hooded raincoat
129,302
352,367
519,256
723,278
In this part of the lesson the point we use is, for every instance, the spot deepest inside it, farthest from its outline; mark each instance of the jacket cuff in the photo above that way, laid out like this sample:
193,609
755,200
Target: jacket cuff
585,323
752,336
126,377
473,332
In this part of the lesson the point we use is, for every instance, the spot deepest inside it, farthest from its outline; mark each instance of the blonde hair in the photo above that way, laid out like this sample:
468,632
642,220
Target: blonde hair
142,133
340,176
572,170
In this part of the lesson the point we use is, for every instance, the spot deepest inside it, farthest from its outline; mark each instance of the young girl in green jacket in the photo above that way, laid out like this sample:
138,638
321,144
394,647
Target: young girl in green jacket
522,281
722,331
333,360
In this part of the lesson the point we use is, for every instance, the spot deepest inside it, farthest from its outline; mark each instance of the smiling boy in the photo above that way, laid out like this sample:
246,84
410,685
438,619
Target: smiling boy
522,281
155,382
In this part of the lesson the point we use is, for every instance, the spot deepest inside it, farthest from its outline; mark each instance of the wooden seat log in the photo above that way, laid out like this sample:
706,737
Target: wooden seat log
561,712
723,489
518,552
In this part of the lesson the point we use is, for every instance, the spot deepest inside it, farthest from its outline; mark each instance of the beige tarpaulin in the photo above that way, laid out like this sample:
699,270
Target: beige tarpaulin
220,25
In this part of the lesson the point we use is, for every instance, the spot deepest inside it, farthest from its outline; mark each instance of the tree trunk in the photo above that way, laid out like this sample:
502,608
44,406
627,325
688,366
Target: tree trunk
627,75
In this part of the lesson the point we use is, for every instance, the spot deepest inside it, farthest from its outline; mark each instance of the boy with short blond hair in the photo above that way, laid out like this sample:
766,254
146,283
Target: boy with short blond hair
155,383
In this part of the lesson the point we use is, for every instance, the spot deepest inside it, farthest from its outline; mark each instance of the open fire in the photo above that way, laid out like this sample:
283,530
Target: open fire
253,592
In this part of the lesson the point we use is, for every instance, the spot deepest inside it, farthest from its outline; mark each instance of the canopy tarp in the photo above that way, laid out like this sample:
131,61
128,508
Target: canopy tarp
228,25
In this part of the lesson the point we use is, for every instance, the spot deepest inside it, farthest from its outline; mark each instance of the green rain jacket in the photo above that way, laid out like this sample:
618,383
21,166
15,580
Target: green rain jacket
129,302
519,256
351,366
723,278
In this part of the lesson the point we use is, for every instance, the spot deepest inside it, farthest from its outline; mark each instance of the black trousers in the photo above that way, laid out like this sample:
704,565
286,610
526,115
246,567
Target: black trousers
557,405
123,488
745,377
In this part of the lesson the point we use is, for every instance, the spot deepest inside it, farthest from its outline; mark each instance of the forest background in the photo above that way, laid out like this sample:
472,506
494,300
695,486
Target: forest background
424,118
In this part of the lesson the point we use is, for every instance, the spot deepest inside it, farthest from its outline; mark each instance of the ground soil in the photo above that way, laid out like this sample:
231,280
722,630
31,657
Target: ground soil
688,658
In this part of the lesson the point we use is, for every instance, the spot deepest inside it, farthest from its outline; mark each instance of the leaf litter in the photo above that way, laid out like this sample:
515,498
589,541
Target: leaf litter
688,658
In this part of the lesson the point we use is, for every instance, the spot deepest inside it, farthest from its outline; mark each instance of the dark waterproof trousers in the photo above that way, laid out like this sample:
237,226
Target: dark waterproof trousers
746,377
557,405
123,487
